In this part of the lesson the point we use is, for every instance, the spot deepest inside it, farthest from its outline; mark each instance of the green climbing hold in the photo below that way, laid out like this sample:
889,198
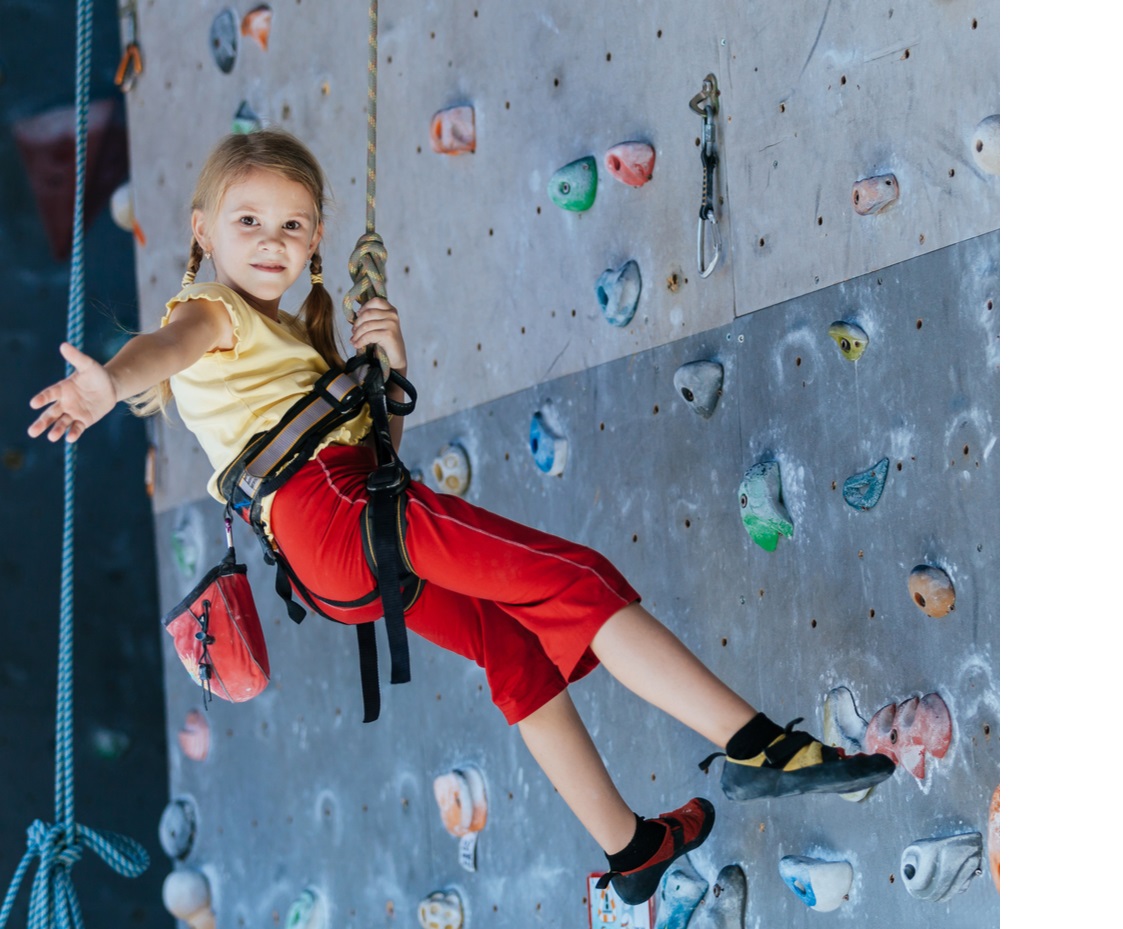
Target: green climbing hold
245,120
851,338
762,509
574,187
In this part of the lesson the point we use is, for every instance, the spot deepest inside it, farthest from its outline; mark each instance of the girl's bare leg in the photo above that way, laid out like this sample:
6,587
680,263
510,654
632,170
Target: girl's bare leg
560,743
648,659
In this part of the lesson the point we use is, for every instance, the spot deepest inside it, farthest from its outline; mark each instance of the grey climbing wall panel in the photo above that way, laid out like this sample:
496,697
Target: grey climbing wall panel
296,792
496,287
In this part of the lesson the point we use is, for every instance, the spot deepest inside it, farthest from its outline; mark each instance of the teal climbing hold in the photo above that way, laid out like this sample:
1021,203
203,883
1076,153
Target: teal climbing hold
850,337
224,40
574,187
863,490
308,911
245,120
821,885
679,895
549,450
618,293
762,507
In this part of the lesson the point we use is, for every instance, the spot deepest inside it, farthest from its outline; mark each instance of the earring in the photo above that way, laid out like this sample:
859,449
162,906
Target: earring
207,256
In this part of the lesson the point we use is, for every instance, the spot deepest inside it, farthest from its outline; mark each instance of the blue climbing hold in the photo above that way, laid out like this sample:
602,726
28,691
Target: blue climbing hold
574,187
224,40
863,490
762,509
618,293
549,450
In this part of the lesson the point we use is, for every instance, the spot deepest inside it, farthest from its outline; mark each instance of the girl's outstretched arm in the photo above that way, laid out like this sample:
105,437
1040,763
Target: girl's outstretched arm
72,405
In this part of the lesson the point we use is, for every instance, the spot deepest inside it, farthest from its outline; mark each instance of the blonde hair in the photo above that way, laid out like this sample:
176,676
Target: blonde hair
232,160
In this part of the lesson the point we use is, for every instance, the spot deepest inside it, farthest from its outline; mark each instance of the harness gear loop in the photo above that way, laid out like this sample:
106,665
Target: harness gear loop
705,104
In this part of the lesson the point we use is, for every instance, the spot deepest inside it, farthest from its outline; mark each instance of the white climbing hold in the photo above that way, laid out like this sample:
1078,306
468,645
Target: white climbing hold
187,896
844,728
984,145
699,384
935,869
452,470
442,909
821,885
679,895
177,828
618,293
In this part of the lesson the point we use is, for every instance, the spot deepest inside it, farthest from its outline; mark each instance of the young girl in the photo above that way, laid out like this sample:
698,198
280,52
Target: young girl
535,611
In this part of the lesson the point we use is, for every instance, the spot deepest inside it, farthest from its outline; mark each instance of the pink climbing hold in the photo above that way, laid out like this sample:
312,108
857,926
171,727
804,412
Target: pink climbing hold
874,194
910,732
453,131
632,163
195,736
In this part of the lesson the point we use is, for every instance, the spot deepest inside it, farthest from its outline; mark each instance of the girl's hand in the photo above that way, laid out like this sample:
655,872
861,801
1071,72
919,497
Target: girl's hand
76,403
377,323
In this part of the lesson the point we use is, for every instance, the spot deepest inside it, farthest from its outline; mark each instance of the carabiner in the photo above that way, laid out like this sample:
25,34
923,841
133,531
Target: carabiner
705,104
131,65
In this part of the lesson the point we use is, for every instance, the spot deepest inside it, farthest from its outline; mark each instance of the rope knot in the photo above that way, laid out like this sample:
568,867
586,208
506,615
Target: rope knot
367,267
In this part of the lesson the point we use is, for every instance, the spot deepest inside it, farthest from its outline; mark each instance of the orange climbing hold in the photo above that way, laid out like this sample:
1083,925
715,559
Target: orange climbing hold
910,732
195,736
874,194
462,800
453,131
256,25
632,163
932,590
993,831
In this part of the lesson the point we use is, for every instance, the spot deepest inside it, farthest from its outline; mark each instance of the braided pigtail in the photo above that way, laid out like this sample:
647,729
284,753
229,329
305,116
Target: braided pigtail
194,260
318,315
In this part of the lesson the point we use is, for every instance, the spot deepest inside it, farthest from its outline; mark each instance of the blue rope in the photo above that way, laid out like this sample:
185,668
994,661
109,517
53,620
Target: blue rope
58,847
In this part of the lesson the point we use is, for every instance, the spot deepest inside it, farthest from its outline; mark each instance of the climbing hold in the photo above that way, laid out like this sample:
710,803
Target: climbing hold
187,896
851,338
844,728
762,507
188,541
121,209
984,145
874,194
462,799
618,293
308,911
195,736
109,744
821,885
549,450
993,838
256,24
935,869
224,40
910,732
452,470
177,828
699,384
453,131
724,908
863,490
679,895
574,187
631,163
442,909
932,590
245,119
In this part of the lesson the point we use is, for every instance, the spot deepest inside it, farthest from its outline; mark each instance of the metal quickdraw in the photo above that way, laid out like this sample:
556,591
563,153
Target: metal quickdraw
131,64
704,104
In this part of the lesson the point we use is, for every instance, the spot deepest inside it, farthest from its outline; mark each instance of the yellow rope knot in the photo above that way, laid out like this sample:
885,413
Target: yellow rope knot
368,271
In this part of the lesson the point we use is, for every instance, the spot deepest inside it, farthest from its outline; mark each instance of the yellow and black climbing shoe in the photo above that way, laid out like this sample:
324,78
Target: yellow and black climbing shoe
796,763
685,829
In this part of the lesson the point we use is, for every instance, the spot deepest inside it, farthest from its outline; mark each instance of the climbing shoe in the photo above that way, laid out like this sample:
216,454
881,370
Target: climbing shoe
796,763
686,829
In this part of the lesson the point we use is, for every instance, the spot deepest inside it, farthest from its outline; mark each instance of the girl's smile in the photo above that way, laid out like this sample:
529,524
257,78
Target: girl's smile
261,236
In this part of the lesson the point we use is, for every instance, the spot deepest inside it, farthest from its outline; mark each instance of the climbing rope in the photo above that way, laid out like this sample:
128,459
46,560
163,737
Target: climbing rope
54,903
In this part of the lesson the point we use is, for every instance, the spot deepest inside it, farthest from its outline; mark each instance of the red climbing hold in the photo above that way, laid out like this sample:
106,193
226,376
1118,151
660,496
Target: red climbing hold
631,163
908,733
453,131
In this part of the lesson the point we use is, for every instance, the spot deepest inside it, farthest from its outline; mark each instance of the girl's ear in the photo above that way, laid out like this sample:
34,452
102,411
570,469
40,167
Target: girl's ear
315,244
199,229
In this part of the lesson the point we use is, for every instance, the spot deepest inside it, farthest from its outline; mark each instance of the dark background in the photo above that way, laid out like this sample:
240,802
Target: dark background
120,744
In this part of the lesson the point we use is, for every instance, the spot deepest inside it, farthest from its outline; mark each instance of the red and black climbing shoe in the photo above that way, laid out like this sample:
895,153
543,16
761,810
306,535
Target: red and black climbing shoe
686,829
796,763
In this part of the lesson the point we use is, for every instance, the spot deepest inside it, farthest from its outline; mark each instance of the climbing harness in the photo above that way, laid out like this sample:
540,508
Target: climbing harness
704,103
131,65
54,901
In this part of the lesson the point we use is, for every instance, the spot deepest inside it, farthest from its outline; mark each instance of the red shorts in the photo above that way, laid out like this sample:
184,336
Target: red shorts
522,604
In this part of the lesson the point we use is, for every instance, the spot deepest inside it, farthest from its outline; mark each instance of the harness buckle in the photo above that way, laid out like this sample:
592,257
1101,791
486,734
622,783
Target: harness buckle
389,479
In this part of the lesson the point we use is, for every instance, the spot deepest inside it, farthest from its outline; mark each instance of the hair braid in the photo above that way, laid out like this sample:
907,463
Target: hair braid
194,260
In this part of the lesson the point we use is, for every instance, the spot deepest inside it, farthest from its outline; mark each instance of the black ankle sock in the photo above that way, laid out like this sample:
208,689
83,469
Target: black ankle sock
753,737
645,843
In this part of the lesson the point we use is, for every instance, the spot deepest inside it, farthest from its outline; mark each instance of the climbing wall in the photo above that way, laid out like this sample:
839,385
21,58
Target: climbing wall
814,510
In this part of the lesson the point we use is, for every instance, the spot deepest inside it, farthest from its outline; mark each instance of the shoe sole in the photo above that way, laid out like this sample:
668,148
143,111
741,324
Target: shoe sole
741,782
635,889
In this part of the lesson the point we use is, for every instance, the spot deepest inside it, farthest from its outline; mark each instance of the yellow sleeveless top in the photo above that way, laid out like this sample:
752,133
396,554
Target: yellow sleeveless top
227,397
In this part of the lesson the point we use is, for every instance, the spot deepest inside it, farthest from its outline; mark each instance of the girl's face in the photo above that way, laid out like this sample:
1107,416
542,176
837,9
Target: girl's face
260,237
